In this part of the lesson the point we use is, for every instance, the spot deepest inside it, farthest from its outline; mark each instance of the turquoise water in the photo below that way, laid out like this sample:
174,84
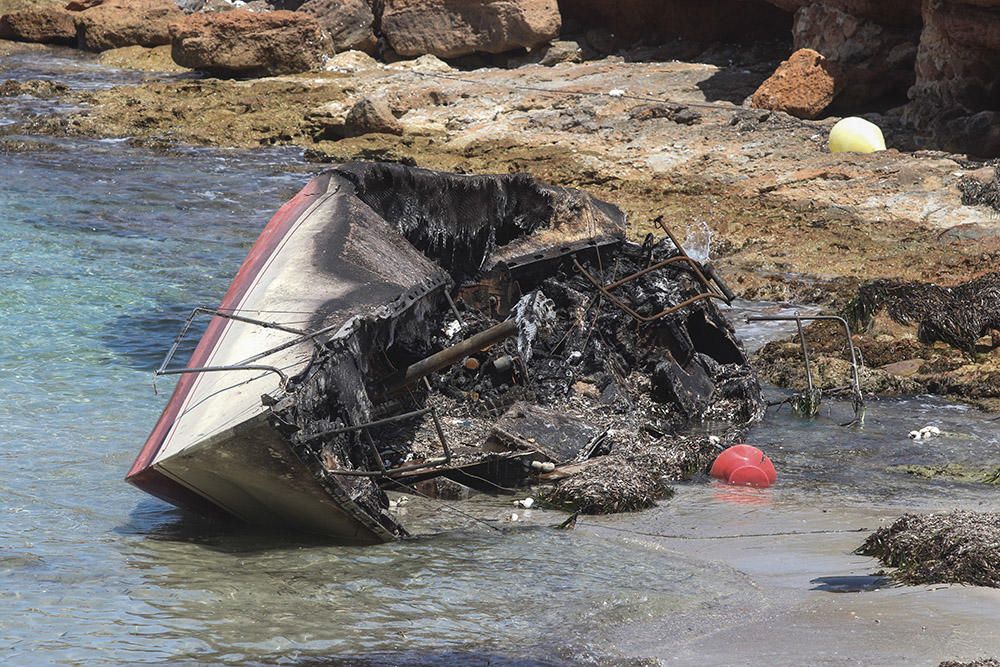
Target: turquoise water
105,248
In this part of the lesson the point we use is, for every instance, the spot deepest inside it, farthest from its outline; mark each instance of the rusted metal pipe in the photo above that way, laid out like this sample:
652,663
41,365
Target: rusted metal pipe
454,354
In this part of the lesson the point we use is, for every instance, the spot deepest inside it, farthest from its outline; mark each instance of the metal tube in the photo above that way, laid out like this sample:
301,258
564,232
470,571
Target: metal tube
639,316
455,353
805,354
859,398
217,369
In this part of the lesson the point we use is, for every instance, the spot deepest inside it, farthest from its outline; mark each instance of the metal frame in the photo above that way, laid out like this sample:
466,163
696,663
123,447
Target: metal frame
383,471
248,365
407,299
713,285
858,398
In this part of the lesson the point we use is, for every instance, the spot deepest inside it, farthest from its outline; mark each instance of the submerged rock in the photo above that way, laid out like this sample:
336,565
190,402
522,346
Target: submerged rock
242,43
39,88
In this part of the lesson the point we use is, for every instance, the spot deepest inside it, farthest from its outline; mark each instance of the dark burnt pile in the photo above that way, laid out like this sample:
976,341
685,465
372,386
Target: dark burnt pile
541,347
958,316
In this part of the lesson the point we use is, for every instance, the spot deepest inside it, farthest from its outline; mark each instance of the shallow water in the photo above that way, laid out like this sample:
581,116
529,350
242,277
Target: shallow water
106,248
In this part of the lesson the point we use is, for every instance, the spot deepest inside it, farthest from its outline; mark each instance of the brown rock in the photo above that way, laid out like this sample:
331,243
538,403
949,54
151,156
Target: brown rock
80,5
954,97
803,86
117,23
905,368
452,28
241,43
35,87
875,61
351,23
371,116
47,26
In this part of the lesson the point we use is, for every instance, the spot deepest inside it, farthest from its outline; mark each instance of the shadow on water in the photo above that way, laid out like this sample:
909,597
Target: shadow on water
142,339
851,584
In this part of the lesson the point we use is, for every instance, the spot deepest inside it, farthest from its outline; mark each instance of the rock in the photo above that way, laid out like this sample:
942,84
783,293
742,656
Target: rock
678,113
370,116
875,61
954,97
803,86
351,23
549,55
39,88
80,5
242,43
46,26
429,64
452,28
156,59
351,61
906,368
117,23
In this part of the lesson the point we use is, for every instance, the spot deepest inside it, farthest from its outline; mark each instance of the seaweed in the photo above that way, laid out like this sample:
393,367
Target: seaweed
978,193
958,316
958,547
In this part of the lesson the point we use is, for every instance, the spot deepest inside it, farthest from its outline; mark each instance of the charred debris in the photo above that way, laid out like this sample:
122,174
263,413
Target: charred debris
540,347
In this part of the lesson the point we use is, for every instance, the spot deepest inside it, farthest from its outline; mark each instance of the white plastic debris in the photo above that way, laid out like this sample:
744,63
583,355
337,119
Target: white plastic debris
915,435
526,503
452,328
715,440
513,516
929,431
616,92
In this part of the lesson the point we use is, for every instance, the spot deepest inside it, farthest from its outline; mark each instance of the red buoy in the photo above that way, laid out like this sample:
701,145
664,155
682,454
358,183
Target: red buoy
744,465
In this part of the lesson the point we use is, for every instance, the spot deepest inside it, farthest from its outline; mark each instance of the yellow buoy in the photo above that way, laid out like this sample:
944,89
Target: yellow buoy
856,135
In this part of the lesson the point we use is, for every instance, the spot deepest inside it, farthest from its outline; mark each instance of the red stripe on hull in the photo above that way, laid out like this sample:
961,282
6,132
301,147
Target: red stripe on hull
140,474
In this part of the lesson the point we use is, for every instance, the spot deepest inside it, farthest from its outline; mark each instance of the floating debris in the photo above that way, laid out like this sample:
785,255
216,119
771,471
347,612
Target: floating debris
925,433
957,547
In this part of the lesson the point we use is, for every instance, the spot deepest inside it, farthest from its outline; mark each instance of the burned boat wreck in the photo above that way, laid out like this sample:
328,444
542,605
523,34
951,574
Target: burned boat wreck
393,326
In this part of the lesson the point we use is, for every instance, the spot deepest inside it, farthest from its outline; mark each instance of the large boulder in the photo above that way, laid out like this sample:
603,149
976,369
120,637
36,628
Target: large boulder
47,26
452,28
803,86
875,59
117,23
956,97
351,23
242,43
